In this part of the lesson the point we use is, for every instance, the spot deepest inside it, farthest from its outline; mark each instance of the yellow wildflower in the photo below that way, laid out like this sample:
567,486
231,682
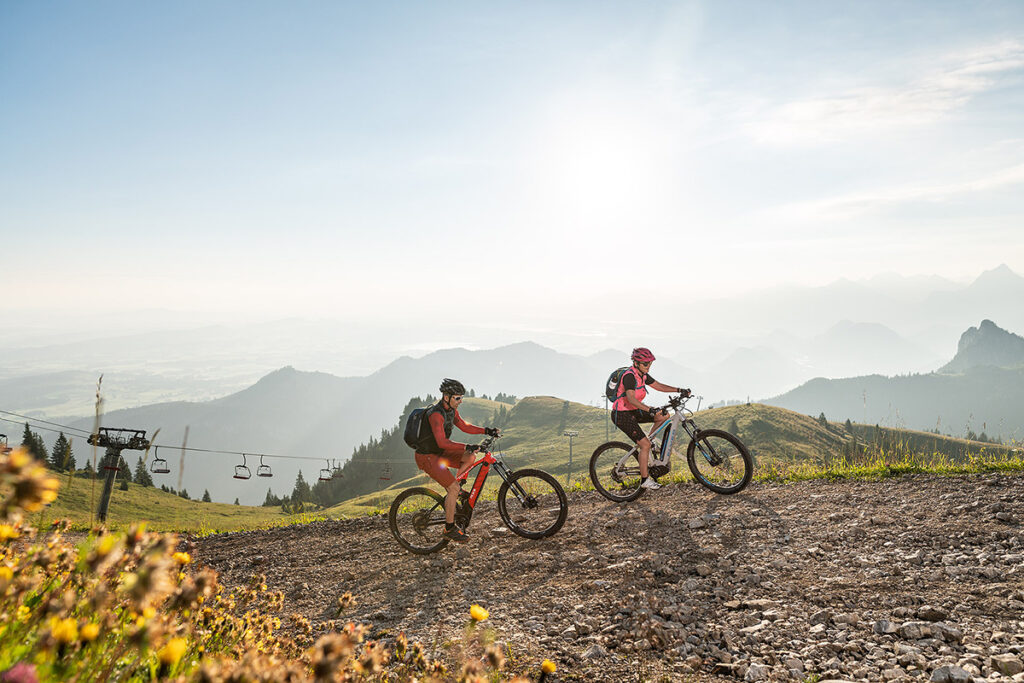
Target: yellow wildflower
23,612
548,667
8,532
90,632
182,558
6,576
149,612
105,545
64,630
173,651
478,613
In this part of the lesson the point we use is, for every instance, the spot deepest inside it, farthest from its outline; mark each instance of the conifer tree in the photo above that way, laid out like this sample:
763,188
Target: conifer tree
123,470
236,502
34,443
59,454
206,496
141,476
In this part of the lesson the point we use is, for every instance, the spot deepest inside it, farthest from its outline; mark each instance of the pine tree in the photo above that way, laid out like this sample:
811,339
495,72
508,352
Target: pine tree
142,477
184,494
271,500
124,485
822,420
123,470
301,492
34,443
848,425
59,454
236,502
206,497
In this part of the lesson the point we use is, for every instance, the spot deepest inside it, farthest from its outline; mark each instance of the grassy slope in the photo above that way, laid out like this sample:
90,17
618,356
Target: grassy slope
772,434
534,439
163,511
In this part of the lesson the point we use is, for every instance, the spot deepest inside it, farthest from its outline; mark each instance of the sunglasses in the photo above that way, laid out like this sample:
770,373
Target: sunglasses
647,364
457,398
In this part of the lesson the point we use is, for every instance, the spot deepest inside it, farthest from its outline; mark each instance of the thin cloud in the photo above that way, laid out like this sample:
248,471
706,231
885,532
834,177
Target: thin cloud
870,110
850,205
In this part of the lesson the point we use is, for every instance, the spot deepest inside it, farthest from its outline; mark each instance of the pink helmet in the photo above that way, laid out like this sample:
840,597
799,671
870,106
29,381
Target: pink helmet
642,355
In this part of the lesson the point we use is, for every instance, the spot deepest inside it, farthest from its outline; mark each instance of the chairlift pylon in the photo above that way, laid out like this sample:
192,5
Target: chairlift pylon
263,470
325,472
159,465
241,471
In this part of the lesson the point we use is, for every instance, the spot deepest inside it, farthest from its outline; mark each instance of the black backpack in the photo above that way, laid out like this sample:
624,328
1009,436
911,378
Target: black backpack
417,427
611,387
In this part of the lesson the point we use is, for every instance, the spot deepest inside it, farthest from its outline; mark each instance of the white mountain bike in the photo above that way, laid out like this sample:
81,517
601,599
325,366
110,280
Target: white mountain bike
718,460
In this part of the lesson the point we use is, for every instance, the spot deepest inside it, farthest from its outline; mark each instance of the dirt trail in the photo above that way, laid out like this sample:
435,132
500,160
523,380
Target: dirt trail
868,581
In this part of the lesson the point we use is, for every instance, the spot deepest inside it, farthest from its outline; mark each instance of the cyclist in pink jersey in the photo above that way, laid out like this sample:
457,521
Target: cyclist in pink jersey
629,411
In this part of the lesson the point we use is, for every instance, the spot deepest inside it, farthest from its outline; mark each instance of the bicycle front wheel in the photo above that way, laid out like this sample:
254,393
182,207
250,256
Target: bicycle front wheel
614,476
416,519
719,461
532,504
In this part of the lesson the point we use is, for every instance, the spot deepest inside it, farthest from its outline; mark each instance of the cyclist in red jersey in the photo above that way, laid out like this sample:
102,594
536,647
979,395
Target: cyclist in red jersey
439,452
629,411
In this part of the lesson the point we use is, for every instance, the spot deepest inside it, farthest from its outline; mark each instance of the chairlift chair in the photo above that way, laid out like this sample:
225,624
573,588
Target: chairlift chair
159,465
325,472
241,471
336,471
385,474
4,448
263,470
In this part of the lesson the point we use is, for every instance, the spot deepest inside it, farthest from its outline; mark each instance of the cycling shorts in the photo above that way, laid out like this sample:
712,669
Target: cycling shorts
629,421
436,466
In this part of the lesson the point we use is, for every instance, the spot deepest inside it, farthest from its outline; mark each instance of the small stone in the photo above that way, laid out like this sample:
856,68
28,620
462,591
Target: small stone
697,523
1007,664
884,626
950,674
930,613
756,672
595,651
703,570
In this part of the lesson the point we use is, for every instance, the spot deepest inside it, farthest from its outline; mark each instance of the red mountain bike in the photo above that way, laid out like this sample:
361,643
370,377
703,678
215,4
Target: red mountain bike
531,503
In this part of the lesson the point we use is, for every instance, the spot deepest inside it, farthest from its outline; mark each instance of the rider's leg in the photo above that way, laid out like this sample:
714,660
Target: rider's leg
644,455
449,502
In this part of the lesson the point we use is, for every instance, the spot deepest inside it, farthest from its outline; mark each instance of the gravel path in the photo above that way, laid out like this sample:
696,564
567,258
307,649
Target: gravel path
918,578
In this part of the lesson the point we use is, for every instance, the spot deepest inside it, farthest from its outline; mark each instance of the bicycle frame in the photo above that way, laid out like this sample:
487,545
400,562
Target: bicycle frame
486,462
681,417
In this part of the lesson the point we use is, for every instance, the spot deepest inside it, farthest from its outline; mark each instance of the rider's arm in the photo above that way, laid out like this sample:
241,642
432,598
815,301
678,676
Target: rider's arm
631,400
658,386
437,427
465,426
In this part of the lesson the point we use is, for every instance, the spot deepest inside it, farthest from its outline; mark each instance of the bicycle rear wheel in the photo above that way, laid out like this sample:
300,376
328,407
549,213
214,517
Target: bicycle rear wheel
719,461
416,519
532,504
615,481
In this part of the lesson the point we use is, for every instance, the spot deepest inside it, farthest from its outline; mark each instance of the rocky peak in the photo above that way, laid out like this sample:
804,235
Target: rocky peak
987,344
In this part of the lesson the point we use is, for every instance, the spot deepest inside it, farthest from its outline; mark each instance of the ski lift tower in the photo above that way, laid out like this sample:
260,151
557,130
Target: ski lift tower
115,441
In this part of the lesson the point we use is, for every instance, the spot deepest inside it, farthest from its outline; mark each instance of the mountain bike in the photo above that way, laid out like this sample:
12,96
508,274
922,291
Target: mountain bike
718,460
531,503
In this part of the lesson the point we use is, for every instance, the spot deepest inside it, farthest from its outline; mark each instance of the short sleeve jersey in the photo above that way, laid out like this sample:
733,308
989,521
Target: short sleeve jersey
629,382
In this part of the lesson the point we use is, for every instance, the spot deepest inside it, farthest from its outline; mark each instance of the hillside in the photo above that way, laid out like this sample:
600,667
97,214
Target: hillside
980,396
533,439
871,581
161,510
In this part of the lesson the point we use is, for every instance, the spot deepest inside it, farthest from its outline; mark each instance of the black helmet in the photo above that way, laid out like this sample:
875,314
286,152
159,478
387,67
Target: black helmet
452,387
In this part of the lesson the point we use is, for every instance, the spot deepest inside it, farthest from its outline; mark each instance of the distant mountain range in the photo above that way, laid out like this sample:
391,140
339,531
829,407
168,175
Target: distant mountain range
761,344
981,390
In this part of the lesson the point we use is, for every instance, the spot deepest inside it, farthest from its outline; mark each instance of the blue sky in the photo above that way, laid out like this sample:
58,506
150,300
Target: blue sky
330,158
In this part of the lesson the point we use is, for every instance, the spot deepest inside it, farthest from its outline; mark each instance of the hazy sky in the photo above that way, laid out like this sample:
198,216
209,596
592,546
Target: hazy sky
350,158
